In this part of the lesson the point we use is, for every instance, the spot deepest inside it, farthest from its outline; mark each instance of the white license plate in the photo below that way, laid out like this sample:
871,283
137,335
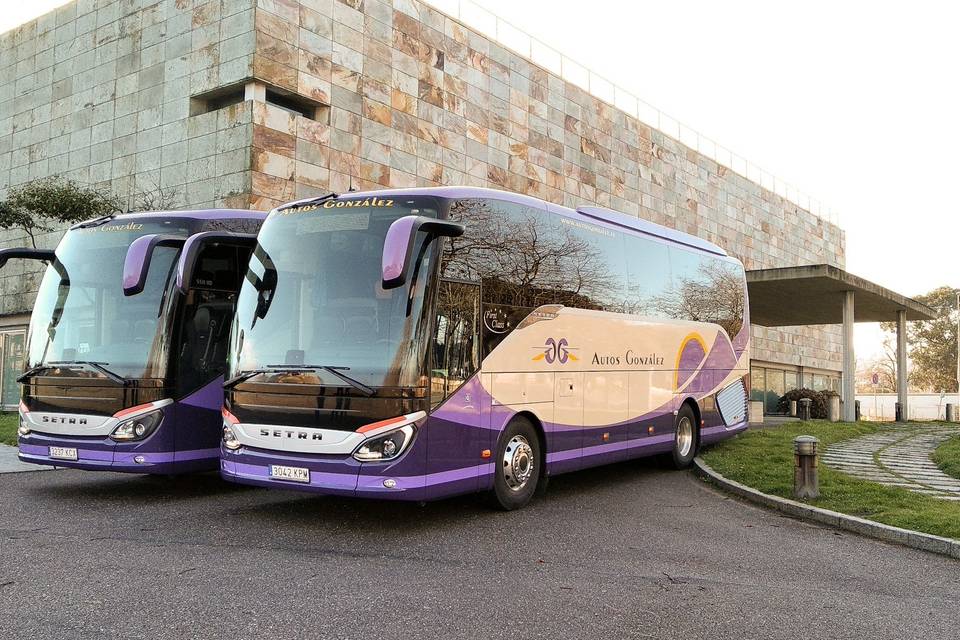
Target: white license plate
294,474
63,453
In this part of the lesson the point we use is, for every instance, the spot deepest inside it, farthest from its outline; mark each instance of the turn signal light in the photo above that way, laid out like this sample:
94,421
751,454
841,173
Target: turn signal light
650,431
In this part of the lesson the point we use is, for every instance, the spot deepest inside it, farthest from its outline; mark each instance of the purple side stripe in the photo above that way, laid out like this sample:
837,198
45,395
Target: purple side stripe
601,449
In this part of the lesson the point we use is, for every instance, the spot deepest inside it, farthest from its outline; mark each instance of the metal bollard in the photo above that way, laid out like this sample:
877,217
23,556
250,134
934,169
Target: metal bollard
805,408
833,408
806,483
898,412
951,412
793,408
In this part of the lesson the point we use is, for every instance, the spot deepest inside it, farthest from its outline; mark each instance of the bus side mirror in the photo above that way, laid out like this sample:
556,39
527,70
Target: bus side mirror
195,245
25,254
137,263
398,245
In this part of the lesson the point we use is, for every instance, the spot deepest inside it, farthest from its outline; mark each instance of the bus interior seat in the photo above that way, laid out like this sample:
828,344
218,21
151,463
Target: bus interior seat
211,322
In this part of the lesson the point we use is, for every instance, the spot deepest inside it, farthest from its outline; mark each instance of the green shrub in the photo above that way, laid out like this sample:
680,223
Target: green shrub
818,410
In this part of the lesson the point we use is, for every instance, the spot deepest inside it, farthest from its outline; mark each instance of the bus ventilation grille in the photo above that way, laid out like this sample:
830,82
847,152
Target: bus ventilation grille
732,402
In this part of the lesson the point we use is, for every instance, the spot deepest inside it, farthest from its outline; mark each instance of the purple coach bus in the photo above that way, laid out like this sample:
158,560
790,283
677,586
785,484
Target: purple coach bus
127,342
420,343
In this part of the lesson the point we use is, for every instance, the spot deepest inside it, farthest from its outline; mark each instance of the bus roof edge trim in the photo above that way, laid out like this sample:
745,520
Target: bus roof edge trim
649,228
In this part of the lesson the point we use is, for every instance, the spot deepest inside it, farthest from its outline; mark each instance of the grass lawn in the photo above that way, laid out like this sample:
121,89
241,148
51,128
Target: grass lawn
8,428
947,457
763,459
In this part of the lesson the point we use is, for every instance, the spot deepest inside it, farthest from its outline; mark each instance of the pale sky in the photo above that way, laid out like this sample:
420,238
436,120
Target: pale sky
855,103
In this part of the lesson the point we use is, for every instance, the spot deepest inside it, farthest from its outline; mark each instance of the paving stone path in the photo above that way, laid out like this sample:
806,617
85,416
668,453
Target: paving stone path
898,457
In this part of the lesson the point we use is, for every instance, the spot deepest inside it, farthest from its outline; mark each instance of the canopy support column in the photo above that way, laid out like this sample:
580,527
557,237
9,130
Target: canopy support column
849,360
902,363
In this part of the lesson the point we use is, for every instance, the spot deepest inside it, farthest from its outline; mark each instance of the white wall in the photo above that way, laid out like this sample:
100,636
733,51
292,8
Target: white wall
920,406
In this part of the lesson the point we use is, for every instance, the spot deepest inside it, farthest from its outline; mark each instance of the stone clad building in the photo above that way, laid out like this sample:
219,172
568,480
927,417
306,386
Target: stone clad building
250,103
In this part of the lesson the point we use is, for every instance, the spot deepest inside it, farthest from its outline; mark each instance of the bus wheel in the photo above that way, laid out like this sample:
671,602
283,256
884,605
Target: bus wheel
517,461
685,438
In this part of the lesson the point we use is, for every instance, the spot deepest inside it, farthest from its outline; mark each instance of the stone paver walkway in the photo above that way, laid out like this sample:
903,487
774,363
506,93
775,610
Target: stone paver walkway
9,463
898,457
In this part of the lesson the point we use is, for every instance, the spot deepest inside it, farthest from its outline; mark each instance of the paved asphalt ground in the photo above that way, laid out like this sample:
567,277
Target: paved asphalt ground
629,551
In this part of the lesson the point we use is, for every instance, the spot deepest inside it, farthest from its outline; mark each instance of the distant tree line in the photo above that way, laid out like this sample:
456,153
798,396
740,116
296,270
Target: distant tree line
931,347
43,205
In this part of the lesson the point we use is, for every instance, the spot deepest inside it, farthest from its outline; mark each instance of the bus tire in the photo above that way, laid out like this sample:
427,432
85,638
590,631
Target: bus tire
685,438
517,466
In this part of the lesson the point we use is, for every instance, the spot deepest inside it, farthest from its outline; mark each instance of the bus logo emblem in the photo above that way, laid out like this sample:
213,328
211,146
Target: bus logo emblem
555,351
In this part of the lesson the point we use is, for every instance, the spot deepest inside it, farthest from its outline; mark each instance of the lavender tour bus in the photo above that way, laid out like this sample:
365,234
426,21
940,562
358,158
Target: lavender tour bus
419,343
127,342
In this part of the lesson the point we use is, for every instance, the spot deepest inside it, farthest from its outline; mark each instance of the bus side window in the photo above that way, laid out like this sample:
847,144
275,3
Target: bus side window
456,343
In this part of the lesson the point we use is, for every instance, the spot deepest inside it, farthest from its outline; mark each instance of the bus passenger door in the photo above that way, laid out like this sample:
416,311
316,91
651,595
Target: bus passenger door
456,434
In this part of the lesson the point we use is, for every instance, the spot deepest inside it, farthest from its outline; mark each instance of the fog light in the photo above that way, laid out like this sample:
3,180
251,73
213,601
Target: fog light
389,483
23,430
139,459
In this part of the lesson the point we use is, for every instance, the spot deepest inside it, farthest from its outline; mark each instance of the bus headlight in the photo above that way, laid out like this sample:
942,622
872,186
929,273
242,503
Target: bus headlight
230,439
385,447
23,429
137,428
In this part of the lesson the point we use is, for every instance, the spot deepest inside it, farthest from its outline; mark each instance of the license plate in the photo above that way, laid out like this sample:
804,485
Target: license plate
293,474
63,453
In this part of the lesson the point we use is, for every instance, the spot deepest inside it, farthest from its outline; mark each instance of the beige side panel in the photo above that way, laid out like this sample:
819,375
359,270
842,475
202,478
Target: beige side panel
513,389
649,390
605,397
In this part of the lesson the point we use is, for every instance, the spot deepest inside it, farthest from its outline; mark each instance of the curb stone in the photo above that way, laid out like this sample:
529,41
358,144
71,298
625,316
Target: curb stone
9,463
887,533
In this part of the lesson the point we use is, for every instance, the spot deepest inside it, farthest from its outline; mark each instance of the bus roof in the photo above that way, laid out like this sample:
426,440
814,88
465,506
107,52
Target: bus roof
608,216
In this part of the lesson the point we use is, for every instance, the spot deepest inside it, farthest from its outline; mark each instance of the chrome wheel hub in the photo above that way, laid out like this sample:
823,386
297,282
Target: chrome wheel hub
684,437
518,463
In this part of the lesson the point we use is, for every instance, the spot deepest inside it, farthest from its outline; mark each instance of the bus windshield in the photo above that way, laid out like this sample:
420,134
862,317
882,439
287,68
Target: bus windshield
312,296
81,314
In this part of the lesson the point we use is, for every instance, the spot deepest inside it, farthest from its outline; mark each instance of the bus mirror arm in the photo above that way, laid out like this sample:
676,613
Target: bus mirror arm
25,254
136,266
399,244
195,245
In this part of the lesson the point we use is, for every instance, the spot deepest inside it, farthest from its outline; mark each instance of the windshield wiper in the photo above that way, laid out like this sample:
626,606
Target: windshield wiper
294,368
306,201
95,222
32,371
96,366
353,382
243,376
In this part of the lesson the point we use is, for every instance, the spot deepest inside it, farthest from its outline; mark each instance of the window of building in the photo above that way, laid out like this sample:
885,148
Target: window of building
12,352
299,105
216,100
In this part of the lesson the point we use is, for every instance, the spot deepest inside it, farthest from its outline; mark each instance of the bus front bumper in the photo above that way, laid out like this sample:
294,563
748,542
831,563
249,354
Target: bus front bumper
339,475
103,454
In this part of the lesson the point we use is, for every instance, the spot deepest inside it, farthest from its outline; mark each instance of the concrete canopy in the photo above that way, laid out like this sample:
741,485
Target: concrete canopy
822,294
814,294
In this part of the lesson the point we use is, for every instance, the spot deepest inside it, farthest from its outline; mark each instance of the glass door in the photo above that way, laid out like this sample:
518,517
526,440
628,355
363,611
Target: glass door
11,366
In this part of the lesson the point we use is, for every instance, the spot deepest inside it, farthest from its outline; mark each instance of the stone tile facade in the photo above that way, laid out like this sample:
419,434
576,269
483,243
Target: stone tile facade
101,91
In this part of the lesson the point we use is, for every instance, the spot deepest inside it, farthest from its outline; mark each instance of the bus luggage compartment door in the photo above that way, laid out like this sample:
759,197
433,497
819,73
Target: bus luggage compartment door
565,435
